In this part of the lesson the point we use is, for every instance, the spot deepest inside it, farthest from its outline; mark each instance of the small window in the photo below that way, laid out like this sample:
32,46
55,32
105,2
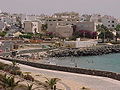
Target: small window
109,21
113,25
113,22
59,19
50,20
108,25
54,20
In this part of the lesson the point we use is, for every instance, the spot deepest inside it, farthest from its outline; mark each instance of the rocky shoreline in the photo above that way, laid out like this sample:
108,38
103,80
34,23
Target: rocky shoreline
89,51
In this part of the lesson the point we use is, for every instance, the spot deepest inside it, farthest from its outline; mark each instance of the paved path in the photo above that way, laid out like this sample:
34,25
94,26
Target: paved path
94,82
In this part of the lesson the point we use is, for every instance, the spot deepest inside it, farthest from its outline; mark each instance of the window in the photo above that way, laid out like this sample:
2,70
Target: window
108,25
54,20
59,19
113,22
113,25
108,21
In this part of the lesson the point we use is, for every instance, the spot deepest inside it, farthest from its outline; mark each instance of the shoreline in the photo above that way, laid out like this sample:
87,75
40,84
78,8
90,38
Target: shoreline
108,74
82,79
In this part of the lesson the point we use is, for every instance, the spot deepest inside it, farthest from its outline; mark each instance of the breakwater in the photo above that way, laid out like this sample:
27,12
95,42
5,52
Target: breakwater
69,69
88,51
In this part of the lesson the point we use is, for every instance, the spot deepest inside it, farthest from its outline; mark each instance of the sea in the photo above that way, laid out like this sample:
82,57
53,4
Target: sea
109,62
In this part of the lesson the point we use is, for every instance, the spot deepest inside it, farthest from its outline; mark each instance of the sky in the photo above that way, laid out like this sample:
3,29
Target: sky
104,7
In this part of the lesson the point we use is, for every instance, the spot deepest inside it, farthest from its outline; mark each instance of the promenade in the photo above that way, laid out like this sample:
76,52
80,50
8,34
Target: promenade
74,81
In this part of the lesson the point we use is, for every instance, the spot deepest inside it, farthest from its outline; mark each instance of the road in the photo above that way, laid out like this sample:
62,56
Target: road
94,82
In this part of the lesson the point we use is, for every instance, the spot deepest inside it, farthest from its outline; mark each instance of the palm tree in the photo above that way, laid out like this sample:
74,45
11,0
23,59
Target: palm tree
14,64
117,30
9,82
52,82
102,29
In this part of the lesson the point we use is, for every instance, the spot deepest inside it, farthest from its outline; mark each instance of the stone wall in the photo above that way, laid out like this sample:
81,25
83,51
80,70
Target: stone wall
69,69
25,51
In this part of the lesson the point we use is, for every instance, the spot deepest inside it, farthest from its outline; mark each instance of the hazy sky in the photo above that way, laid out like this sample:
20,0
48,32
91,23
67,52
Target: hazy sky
110,7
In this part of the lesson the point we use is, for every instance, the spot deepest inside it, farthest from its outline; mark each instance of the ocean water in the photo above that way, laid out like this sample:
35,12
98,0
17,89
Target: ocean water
109,62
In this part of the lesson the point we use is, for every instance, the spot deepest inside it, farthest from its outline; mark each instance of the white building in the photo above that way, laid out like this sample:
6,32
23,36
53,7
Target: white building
80,44
109,21
96,18
85,17
0,11
2,25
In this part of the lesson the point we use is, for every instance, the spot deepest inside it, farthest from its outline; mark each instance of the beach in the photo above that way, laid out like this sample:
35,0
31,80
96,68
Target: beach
72,81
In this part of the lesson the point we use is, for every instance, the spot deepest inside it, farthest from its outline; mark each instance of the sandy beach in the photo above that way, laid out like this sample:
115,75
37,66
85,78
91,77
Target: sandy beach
72,81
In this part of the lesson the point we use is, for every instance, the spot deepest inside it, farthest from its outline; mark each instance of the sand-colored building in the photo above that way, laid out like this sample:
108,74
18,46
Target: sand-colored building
91,26
32,26
64,31
65,18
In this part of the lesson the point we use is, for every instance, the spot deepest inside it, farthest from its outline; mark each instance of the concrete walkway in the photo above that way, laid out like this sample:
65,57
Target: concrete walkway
93,82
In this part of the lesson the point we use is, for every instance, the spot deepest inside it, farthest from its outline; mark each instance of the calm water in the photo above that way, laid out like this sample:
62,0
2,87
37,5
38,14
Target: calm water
110,62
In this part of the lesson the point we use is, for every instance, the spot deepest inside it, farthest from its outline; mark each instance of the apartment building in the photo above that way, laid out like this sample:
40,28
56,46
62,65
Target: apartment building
109,21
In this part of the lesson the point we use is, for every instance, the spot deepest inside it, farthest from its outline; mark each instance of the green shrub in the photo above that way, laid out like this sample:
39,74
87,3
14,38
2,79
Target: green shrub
8,82
2,66
16,72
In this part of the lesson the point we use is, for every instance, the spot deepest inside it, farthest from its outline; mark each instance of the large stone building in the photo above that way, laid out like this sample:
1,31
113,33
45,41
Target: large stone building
66,18
91,26
64,31
62,22
32,26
